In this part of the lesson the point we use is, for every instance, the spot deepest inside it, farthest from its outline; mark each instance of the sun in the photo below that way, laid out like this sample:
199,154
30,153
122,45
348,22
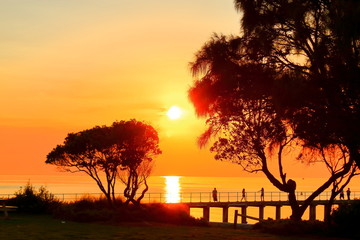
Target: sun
174,112
172,186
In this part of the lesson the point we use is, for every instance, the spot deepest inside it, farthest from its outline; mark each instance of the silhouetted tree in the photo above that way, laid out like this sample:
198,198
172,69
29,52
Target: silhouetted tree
314,48
101,152
284,83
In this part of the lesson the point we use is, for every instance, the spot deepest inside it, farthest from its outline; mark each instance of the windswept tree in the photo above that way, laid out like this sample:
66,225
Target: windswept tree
102,152
283,85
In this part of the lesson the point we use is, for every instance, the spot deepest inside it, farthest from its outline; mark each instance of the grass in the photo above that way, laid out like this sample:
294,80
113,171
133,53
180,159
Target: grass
22,226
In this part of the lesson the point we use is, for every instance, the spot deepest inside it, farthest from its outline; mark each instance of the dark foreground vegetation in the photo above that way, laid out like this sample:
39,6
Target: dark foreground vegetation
343,223
41,216
38,227
317,229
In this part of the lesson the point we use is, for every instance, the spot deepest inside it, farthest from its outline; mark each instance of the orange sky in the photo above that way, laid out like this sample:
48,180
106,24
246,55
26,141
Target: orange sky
66,66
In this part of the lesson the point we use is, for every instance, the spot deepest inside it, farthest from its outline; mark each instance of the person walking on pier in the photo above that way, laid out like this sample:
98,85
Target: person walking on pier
348,192
243,195
342,194
262,194
214,194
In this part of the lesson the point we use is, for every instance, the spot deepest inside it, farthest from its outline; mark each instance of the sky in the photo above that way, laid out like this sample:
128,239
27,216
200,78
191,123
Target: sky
69,65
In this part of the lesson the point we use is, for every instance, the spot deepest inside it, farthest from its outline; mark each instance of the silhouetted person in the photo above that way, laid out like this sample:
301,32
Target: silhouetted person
342,194
262,194
214,194
348,192
243,195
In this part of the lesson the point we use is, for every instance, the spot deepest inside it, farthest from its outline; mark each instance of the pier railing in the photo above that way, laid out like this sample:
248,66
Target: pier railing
188,197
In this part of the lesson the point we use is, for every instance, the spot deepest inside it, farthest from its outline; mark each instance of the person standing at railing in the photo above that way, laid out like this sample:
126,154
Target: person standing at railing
348,192
243,195
262,194
214,194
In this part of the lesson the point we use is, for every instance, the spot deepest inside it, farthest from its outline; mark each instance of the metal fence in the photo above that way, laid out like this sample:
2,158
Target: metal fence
201,196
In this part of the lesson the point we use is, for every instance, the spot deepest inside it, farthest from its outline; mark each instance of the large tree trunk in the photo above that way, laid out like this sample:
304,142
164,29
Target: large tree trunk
354,153
143,192
131,188
297,211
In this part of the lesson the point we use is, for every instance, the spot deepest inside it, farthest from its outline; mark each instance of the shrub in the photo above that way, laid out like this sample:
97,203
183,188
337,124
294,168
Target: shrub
157,212
90,202
87,209
97,210
30,200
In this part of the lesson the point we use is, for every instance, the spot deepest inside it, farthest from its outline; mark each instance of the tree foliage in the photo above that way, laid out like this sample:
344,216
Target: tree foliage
290,81
103,152
314,48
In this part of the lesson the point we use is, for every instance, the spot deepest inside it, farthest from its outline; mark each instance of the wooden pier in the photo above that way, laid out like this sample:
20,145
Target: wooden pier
260,205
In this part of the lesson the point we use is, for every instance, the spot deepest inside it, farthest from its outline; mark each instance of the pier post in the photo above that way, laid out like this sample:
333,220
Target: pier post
261,212
206,213
235,218
278,212
327,211
243,214
312,216
225,214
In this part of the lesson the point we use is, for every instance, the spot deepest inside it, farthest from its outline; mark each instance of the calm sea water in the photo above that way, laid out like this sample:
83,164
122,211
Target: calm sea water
72,183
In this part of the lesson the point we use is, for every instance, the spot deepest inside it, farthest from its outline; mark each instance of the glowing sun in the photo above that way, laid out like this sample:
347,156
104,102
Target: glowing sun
174,112
172,185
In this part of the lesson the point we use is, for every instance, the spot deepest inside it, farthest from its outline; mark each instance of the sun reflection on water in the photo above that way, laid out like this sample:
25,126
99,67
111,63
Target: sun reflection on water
172,187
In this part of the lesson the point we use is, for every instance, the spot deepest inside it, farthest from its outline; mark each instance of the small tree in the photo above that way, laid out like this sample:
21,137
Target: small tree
101,152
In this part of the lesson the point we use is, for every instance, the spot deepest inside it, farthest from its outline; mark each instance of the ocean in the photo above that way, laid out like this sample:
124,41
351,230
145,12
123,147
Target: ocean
68,187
